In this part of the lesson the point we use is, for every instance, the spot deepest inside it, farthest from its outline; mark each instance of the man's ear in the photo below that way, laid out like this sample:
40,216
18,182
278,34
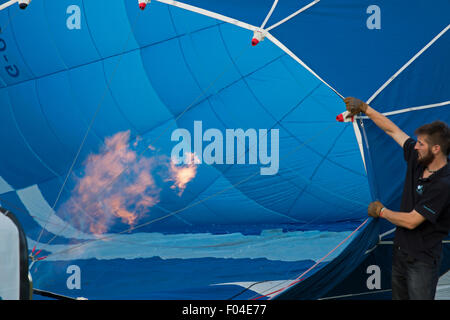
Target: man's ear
436,149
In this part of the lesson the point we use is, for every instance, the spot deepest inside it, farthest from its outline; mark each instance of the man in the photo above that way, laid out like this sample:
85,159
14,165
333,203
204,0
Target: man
424,217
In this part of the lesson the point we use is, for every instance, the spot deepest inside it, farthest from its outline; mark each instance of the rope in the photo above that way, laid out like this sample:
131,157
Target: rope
269,14
7,4
292,15
52,295
246,289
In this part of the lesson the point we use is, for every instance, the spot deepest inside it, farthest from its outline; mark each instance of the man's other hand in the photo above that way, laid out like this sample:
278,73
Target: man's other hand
374,209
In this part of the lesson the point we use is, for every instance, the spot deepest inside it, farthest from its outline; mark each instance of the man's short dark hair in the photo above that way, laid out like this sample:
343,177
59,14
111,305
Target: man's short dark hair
438,133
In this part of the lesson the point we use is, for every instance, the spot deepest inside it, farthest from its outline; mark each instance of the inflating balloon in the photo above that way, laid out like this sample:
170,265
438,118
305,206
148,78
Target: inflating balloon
121,198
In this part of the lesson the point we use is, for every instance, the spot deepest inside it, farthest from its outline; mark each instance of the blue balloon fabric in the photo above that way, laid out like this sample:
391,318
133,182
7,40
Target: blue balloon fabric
99,100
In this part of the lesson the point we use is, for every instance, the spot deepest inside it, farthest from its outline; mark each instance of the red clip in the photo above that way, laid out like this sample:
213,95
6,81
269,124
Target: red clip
343,117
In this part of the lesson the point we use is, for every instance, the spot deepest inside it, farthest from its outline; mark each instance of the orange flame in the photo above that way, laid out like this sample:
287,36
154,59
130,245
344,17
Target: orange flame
182,175
118,185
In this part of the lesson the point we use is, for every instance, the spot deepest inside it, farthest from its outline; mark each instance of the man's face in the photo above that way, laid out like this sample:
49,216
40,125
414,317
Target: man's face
424,154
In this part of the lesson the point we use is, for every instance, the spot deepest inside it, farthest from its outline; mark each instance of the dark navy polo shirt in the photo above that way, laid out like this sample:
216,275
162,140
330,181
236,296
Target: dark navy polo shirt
431,198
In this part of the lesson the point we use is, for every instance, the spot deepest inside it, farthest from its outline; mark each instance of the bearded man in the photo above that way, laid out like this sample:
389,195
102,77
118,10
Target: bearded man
424,217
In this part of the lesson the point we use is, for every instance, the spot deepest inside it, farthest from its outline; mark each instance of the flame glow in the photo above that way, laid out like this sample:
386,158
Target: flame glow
181,175
119,184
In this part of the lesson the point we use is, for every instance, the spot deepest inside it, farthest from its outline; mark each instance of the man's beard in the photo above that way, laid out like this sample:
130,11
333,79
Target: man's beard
426,159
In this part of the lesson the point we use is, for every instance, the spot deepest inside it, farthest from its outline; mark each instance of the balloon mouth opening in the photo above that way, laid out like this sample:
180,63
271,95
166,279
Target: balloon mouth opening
255,41
22,5
142,6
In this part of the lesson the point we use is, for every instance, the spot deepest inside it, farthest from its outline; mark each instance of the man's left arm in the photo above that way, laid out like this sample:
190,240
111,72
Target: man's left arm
409,220
428,208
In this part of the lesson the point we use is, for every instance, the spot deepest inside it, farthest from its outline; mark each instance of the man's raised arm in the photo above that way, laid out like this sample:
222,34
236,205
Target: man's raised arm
355,106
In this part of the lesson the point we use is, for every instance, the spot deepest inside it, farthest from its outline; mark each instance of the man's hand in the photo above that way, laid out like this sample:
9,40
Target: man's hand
374,209
355,106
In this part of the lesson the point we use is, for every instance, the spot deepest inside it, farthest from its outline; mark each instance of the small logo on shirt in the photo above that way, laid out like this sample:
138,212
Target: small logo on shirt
419,189
431,210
